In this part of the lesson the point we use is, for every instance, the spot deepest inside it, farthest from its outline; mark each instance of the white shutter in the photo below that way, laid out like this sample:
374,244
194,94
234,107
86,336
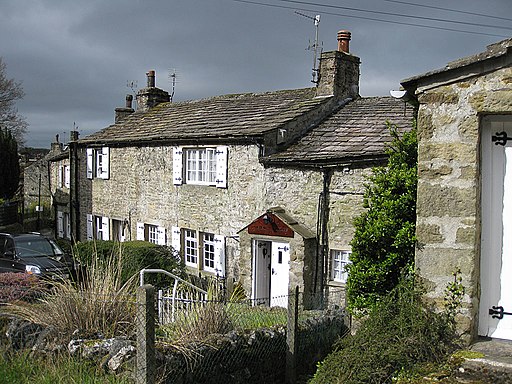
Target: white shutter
176,238
161,235
140,231
67,176
68,225
60,224
220,255
222,167
105,228
177,166
89,227
90,162
59,177
105,158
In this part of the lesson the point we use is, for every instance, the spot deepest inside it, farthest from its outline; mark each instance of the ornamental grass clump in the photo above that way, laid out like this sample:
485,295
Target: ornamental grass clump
99,303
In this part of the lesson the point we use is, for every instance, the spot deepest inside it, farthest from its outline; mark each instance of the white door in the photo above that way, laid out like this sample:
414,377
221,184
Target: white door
496,243
261,272
279,277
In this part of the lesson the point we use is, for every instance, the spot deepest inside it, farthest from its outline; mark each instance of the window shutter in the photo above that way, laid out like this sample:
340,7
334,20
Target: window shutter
105,154
59,177
89,227
222,167
161,235
176,238
60,224
105,228
177,166
220,255
140,231
90,162
67,176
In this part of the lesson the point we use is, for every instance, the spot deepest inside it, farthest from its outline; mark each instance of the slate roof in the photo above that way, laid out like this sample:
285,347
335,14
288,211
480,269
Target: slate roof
235,117
357,131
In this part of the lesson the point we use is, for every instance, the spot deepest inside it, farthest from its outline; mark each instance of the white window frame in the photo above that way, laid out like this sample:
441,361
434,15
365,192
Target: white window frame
200,166
67,176
101,228
209,252
339,261
191,248
152,233
98,163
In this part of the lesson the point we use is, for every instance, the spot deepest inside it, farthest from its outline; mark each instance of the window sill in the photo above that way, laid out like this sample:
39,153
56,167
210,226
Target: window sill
333,283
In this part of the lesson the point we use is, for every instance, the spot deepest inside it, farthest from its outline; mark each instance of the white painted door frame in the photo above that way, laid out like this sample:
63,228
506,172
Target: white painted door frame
496,232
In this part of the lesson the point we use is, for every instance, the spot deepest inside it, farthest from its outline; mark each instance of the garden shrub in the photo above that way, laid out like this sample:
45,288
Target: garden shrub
134,256
19,286
384,237
400,331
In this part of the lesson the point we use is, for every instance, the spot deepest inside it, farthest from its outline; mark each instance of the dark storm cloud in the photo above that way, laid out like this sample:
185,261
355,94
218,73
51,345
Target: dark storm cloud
75,57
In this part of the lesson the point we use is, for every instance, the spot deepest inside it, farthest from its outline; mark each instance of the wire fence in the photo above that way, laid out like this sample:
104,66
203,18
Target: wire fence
239,341
205,341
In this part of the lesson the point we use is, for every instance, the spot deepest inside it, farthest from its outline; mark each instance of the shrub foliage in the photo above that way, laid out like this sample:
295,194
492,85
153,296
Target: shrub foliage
134,256
19,286
400,332
384,238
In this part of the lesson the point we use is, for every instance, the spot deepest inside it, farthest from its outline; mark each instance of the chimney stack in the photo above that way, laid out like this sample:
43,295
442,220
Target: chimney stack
344,41
151,79
73,136
56,146
151,96
123,113
339,71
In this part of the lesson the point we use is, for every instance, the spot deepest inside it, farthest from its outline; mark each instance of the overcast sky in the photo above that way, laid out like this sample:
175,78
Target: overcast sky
75,58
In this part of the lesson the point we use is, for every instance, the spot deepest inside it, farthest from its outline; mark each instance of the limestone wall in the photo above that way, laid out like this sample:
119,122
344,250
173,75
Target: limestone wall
140,189
449,182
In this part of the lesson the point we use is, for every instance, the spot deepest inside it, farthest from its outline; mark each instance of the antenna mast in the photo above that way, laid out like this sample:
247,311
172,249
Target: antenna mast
172,78
315,46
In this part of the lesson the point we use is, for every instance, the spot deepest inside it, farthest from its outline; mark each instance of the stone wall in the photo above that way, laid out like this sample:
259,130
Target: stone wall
448,207
140,189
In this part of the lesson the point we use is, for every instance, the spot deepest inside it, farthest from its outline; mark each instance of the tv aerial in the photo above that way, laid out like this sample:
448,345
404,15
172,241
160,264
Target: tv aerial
315,47
172,78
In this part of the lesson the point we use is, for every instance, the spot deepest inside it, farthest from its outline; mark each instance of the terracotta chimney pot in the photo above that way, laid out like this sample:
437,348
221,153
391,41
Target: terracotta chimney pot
344,41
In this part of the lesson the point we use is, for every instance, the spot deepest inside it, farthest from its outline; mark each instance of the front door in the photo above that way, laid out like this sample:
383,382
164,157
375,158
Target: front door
495,313
270,273
280,274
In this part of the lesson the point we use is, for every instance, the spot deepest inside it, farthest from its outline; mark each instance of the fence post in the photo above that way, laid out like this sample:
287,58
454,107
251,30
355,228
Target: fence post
145,324
291,336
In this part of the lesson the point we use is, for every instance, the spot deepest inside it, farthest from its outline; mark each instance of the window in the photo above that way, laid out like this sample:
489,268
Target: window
98,227
153,233
201,250
340,259
209,252
63,176
190,248
201,166
98,162
63,225
118,230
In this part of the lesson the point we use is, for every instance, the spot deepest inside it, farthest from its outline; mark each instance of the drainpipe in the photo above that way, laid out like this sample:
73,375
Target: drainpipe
322,233
74,207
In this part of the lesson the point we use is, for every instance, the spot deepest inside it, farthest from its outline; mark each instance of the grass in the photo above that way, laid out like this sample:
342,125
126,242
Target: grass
22,368
100,303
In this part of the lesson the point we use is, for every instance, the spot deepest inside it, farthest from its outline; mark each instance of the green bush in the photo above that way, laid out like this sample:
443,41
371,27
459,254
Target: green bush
134,256
400,332
384,238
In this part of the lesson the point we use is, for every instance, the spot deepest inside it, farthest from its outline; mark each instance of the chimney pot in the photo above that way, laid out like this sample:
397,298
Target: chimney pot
129,99
344,41
151,79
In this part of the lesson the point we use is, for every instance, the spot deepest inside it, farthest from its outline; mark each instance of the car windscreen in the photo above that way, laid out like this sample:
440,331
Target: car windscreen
33,248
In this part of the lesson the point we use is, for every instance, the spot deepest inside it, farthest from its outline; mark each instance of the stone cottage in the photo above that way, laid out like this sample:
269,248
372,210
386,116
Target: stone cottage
260,189
464,208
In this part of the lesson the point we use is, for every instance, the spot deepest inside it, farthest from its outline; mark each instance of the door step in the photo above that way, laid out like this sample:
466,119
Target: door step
495,366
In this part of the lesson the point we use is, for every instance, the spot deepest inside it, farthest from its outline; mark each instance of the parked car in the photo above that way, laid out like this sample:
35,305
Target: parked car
35,254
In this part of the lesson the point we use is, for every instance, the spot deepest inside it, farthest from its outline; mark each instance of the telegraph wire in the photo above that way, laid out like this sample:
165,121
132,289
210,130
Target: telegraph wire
448,9
393,14
372,19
